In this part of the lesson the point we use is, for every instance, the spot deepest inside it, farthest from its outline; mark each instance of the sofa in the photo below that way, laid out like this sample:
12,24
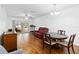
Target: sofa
39,33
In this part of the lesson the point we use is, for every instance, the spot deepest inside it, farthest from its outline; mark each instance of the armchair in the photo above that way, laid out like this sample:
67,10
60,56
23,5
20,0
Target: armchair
39,33
4,51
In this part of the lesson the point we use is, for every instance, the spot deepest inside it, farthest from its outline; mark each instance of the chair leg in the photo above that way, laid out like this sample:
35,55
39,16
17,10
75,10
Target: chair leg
68,50
43,45
50,49
73,49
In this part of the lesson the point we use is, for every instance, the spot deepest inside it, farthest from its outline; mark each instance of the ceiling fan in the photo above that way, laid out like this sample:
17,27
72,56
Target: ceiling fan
54,12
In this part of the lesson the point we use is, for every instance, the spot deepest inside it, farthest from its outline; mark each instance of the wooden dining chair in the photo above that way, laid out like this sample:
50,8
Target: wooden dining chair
69,43
48,41
61,32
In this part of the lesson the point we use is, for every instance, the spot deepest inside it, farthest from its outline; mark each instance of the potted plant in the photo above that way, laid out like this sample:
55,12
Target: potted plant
32,26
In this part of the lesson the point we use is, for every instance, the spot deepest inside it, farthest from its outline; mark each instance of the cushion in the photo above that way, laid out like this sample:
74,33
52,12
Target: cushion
2,50
65,43
52,43
43,30
1,36
1,33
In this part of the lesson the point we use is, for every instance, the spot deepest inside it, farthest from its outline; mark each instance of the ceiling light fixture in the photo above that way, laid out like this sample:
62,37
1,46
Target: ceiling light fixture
54,12
26,18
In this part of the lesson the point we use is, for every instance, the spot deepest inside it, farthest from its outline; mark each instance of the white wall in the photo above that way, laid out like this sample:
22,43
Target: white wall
67,20
3,19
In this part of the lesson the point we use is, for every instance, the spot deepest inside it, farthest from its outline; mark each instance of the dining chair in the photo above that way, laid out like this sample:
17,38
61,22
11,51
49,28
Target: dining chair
48,41
69,43
61,32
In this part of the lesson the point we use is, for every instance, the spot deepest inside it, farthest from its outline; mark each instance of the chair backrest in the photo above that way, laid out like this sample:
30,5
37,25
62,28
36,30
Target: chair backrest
47,38
61,32
43,30
71,39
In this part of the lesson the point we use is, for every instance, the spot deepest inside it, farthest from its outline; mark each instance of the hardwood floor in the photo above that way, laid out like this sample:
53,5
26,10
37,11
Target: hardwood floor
33,45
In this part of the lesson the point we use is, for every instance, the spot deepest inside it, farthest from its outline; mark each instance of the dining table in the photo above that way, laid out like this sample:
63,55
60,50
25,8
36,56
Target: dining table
57,37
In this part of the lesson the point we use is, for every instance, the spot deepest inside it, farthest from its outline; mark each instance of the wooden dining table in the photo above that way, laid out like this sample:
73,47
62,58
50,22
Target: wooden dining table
57,37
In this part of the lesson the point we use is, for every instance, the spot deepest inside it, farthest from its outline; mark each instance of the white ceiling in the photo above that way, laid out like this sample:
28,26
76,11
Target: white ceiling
34,10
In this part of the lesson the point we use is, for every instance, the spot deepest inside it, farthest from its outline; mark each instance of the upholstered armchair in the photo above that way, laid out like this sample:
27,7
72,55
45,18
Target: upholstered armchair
39,33
4,51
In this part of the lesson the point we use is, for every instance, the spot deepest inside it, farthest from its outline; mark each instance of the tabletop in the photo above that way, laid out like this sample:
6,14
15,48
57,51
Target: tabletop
57,36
